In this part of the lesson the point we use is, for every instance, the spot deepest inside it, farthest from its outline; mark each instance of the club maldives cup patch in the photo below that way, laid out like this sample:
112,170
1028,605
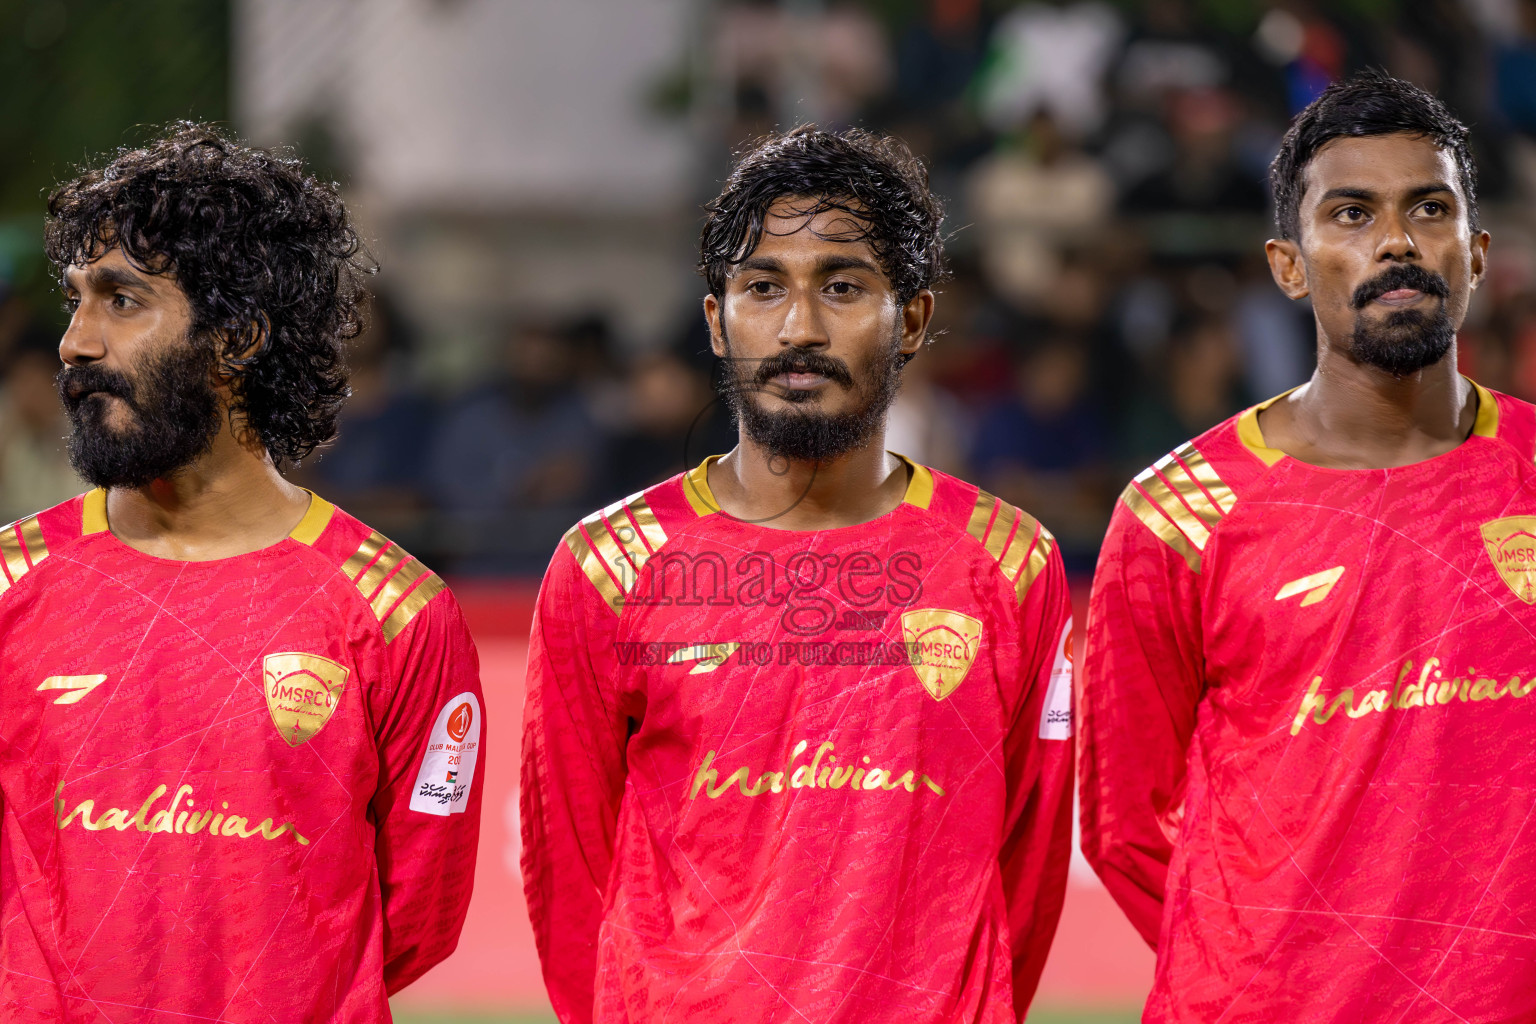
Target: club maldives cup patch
448,767
1056,716
1511,543
941,645
302,693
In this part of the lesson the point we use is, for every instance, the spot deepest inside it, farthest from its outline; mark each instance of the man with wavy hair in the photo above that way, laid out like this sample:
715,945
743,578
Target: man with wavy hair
797,741
238,728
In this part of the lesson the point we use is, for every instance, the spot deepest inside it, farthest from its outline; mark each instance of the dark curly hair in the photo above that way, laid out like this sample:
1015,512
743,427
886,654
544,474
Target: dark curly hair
264,252
875,179
1371,103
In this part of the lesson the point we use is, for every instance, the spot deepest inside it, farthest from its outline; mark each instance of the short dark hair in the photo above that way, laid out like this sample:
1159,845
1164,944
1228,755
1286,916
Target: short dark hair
873,178
1370,103
264,252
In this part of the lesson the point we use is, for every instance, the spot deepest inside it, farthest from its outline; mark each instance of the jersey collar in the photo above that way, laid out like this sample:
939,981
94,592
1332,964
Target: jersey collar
1485,425
702,500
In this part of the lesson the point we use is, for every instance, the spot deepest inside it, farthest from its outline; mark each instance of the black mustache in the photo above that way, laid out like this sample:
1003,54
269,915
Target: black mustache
804,362
1400,275
77,382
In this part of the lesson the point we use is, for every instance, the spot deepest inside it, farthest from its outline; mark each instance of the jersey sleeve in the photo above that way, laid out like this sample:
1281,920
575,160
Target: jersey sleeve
575,726
427,808
1141,684
1037,843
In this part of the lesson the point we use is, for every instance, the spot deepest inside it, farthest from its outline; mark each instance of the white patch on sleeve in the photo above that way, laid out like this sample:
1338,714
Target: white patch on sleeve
448,768
1056,717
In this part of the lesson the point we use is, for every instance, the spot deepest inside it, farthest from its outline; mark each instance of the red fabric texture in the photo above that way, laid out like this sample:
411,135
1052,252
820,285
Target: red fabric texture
1315,803
131,915
659,889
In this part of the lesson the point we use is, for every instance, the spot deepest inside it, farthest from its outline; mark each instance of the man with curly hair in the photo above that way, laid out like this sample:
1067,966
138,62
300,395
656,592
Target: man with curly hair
797,740
238,728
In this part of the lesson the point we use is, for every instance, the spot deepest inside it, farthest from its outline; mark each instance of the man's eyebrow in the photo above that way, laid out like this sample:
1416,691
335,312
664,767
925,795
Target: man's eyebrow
1347,192
767,263
1366,195
832,264
102,278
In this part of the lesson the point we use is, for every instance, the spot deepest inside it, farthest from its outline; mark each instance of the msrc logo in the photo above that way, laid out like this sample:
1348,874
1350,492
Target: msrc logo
1511,544
942,645
459,722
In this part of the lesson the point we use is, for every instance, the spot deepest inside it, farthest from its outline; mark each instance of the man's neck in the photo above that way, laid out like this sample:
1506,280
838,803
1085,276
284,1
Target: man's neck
1352,416
784,494
230,502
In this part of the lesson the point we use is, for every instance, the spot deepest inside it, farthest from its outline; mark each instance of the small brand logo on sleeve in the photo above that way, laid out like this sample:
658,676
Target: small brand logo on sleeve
1056,717
448,766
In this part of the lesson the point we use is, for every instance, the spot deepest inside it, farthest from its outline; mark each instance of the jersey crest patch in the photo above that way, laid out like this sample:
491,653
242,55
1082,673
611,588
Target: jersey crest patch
448,767
1056,716
941,645
1511,544
302,693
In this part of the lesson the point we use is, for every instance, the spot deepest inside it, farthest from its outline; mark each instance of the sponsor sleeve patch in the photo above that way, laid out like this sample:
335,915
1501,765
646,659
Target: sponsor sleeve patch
448,766
1056,717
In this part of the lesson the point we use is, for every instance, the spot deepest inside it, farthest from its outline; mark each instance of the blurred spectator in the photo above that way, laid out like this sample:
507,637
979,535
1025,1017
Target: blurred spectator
1042,446
523,438
1276,340
670,422
1030,200
1052,59
375,467
34,469
926,423
1200,387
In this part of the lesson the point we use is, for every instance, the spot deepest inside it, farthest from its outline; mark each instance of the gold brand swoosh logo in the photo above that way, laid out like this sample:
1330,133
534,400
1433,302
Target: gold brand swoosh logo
78,687
1316,586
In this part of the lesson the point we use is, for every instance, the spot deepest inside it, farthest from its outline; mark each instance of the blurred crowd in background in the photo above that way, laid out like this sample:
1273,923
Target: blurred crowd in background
1104,166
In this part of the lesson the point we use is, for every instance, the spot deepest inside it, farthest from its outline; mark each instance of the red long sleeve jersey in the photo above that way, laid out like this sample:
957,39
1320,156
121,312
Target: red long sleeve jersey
236,790
1308,727
775,775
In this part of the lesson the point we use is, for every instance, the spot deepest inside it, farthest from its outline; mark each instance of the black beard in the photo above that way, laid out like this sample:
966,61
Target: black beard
800,433
1405,341
175,411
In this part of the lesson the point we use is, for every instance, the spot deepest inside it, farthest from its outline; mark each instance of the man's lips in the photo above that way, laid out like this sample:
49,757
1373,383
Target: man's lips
1400,297
799,381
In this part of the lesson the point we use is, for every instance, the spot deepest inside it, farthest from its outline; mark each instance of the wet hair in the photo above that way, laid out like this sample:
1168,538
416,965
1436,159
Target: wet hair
264,252
874,179
1371,103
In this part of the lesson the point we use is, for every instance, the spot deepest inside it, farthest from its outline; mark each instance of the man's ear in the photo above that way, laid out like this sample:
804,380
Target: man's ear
1288,267
712,318
915,316
244,344
1479,257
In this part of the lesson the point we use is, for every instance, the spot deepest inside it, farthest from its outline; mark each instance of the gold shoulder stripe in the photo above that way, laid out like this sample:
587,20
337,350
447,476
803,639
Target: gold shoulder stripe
1181,499
93,515
414,602
316,518
21,548
1018,542
395,585
612,545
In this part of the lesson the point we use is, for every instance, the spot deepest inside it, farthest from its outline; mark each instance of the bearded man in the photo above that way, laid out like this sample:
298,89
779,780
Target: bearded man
797,733
238,728
1307,698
